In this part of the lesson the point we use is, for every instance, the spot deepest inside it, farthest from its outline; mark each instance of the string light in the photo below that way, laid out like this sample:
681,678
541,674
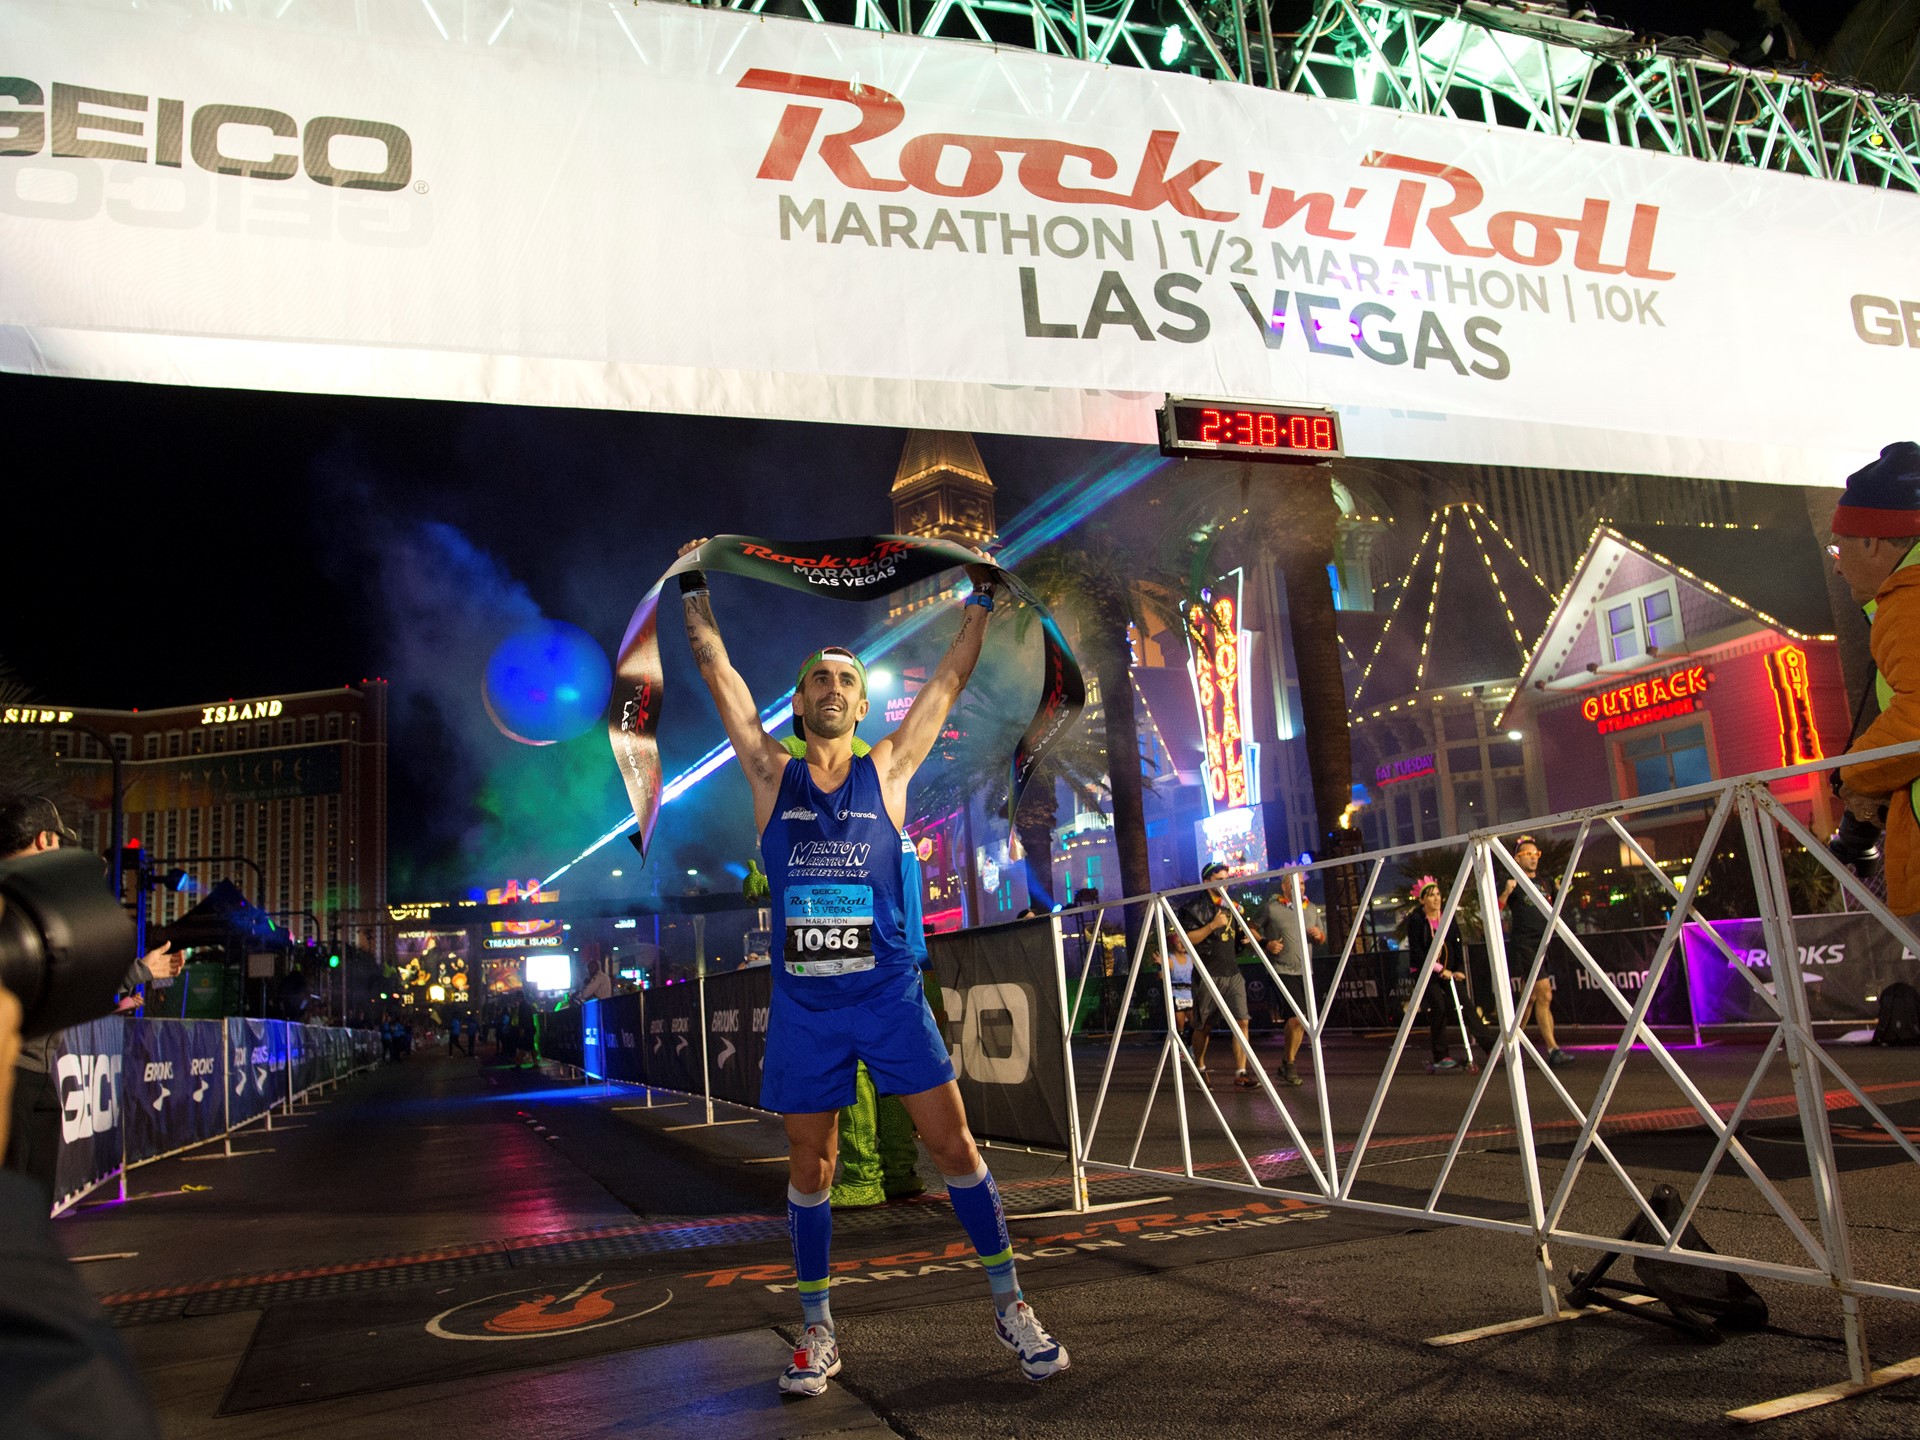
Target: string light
1392,613
1433,601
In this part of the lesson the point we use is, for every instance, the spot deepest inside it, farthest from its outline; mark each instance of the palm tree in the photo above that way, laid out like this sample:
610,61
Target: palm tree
1291,521
974,768
1110,585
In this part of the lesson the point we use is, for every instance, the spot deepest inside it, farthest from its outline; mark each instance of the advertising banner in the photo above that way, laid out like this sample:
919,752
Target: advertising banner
620,1029
671,1045
562,1036
698,210
256,1067
88,1067
172,1086
737,1006
1846,961
1003,1025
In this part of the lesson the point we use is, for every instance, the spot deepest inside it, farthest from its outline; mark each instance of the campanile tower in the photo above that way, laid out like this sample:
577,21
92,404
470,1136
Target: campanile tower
941,491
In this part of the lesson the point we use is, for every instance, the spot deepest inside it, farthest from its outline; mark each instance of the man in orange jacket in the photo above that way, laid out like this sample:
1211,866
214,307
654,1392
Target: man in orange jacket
1876,550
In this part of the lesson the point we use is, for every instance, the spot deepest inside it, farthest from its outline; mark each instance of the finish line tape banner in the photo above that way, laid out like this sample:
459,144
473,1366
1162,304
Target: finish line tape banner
864,567
674,208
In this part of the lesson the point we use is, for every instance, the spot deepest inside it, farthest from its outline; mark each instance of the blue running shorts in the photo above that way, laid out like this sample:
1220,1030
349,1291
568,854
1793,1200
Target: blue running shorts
810,1053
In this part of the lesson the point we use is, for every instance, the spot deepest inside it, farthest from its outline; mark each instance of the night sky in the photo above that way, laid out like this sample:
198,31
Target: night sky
170,546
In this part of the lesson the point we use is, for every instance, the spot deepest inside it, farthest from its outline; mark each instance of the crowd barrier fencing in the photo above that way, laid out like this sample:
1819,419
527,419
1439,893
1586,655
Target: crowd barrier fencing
1007,1019
1760,961
135,1091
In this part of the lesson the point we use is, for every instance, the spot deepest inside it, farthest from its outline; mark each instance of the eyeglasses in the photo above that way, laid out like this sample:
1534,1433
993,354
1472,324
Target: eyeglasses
1833,552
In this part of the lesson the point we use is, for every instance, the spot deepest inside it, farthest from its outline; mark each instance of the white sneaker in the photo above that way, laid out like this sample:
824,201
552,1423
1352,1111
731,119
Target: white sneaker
815,1361
1020,1331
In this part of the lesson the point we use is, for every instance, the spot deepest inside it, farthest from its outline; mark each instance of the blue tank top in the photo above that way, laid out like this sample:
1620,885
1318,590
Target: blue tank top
846,888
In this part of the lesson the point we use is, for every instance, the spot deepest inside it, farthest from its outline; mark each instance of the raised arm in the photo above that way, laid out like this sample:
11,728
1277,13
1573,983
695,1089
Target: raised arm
759,754
899,754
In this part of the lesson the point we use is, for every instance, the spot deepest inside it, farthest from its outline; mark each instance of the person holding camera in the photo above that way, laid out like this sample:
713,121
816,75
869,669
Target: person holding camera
31,825
1875,546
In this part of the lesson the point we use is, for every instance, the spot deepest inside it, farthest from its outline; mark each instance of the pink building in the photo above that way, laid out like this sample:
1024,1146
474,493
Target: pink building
1678,655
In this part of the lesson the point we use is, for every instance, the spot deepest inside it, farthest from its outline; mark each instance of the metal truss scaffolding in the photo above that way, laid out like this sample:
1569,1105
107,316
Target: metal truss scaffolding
1528,66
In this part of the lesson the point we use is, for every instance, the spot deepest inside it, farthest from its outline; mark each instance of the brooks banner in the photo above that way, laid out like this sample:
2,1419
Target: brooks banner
693,209
1845,962
861,568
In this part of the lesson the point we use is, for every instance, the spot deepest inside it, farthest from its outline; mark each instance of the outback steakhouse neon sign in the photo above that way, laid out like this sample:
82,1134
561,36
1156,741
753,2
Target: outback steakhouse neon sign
1646,701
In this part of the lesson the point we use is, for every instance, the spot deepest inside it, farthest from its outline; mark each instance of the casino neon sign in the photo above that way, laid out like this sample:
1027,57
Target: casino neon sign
1646,701
1216,644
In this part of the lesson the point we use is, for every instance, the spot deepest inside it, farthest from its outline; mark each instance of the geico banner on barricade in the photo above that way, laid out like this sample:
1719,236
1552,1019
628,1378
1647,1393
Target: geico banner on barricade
171,1086
620,1036
670,1046
1003,1026
1846,961
737,1005
88,1066
335,202
256,1067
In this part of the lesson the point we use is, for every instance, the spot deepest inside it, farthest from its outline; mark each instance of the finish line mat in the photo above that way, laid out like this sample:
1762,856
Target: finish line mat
377,1340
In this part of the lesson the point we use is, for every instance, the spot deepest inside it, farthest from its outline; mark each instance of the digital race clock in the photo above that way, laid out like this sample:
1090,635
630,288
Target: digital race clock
1221,429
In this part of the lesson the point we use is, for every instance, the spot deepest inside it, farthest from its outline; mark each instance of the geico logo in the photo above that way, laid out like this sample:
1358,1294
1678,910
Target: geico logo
158,1070
726,1022
1879,320
89,1094
200,1067
996,1032
245,140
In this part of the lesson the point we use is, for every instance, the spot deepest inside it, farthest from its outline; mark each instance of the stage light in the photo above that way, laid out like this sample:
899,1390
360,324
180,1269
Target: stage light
1172,45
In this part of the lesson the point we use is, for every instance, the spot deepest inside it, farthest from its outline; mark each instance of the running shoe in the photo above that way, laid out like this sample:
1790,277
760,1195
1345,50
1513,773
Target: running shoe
1445,1062
1289,1075
1020,1331
1557,1058
815,1361
1243,1081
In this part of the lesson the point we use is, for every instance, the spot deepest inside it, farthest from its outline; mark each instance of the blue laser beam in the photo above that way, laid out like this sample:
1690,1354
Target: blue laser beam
1066,505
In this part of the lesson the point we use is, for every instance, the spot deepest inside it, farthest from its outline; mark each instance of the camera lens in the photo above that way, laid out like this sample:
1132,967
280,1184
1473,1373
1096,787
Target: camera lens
65,942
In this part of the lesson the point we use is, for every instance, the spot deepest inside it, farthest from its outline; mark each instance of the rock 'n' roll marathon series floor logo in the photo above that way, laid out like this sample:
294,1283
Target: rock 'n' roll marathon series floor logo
538,1313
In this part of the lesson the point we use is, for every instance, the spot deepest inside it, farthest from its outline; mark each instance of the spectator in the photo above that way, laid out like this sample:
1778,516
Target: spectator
1876,542
1278,936
63,1368
1417,931
1208,920
1529,931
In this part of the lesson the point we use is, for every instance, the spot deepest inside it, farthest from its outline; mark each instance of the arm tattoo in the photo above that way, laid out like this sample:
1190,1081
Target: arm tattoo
699,616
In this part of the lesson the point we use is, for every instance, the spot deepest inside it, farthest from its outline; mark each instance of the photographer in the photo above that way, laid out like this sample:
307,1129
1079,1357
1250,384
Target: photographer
30,825
1876,542
63,1370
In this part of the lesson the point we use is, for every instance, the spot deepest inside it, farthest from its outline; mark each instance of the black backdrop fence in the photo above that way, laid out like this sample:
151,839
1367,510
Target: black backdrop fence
1003,1013
133,1091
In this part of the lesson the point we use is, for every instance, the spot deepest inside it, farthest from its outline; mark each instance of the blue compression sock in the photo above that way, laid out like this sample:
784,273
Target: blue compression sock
976,1200
810,1226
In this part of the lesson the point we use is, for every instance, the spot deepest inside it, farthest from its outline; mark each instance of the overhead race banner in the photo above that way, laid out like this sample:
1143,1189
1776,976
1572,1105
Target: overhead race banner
666,207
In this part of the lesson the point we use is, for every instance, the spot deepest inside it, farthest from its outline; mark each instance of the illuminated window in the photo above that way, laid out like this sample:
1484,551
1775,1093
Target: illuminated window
1642,621
1670,760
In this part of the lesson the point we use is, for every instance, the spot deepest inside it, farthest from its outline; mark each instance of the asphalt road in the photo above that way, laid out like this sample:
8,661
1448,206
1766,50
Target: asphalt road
426,1170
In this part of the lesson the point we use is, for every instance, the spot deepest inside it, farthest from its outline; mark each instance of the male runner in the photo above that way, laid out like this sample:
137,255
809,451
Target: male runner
846,952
